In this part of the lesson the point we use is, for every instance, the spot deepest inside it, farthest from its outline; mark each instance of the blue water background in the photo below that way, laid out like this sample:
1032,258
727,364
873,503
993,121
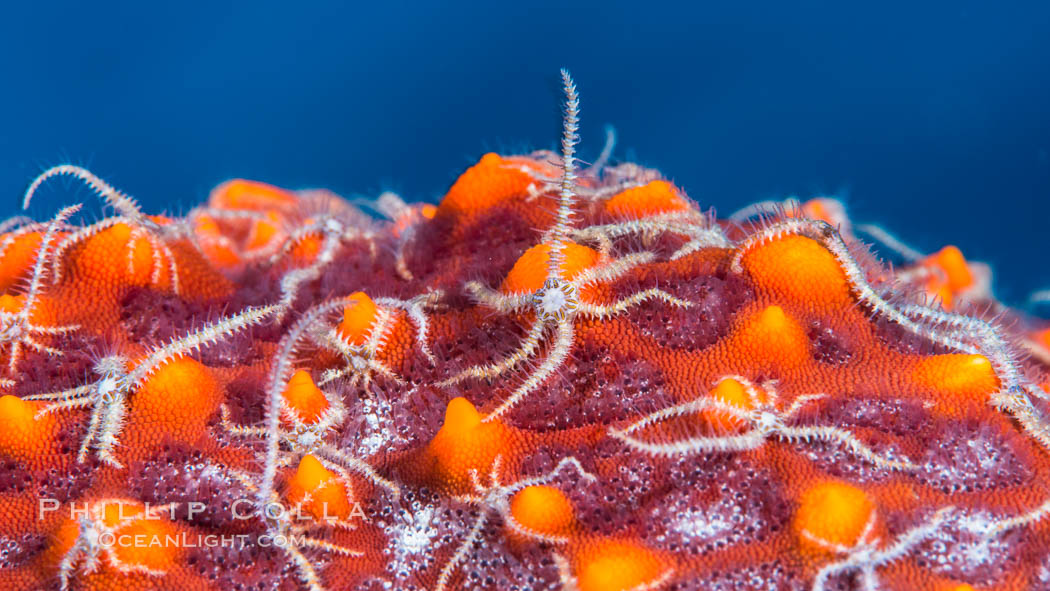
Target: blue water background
931,118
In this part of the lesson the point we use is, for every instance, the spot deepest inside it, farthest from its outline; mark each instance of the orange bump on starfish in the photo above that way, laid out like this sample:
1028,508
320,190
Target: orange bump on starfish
653,198
318,491
543,509
798,269
465,445
833,515
530,270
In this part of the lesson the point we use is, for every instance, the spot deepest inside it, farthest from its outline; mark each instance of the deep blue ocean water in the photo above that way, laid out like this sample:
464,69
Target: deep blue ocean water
931,118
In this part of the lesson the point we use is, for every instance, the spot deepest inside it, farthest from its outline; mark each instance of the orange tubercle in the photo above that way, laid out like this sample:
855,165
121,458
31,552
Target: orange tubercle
651,199
952,263
43,313
23,437
771,337
491,181
251,195
826,210
958,376
616,565
304,398
799,269
1042,338
159,556
214,244
358,317
103,267
530,270
464,444
18,258
732,393
175,402
950,277
318,491
542,509
833,515
263,231
113,258
137,540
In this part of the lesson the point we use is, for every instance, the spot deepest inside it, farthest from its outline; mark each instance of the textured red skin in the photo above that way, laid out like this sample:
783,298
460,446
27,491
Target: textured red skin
741,504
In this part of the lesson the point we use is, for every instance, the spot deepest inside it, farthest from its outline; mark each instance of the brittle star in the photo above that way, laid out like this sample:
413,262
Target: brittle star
334,231
495,497
557,303
90,545
955,331
128,213
119,378
309,437
763,420
362,360
867,554
697,227
290,536
17,329
306,327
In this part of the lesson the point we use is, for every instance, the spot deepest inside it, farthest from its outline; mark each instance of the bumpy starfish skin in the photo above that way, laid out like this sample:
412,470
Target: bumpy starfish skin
603,389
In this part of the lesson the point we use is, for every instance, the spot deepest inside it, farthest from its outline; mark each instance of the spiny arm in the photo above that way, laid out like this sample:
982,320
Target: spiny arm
567,193
210,333
118,200
279,374
42,255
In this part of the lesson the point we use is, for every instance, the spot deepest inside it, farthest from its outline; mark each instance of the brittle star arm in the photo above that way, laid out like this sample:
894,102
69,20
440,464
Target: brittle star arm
415,308
128,211
742,442
279,374
292,280
238,430
502,302
602,311
799,403
739,442
206,335
528,346
896,245
557,355
566,193
679,411
72,398
1032,516
336,455
461,552
764,208
951,330
121,202
690,224
18,328
613,269
106,418
595,169
867,561
42,254
846,439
